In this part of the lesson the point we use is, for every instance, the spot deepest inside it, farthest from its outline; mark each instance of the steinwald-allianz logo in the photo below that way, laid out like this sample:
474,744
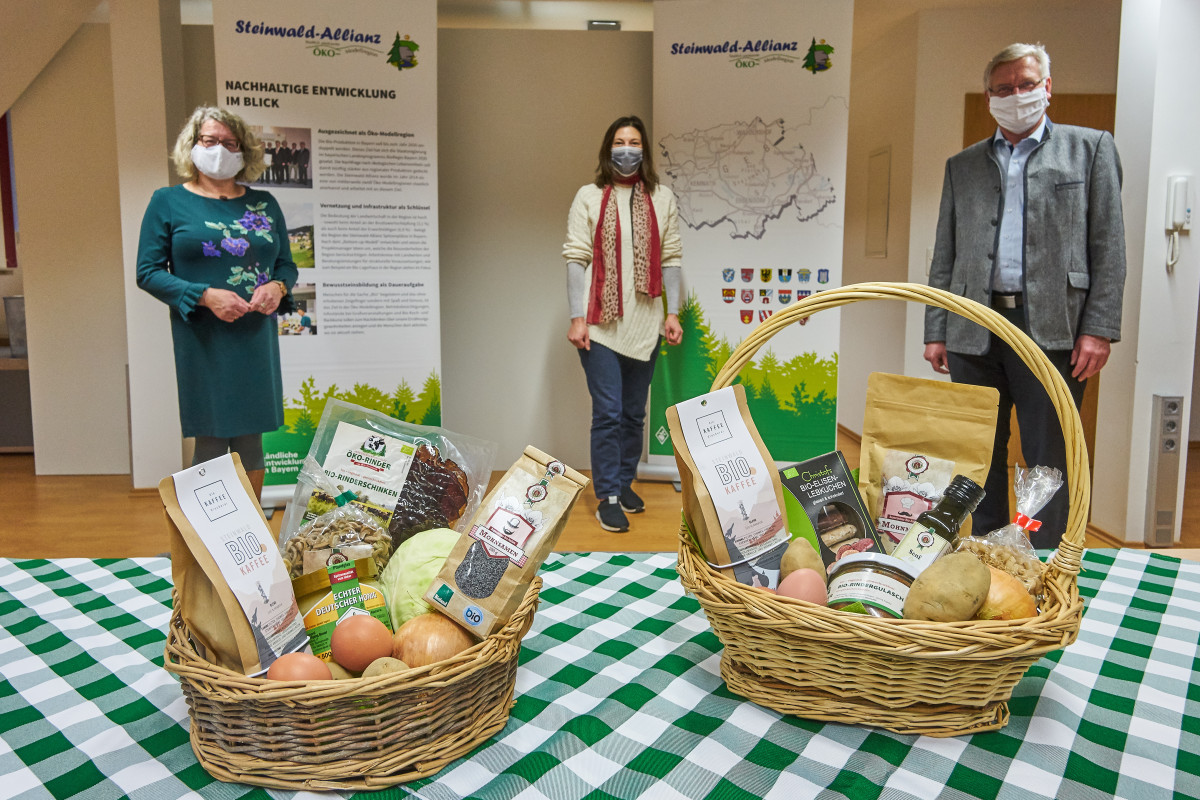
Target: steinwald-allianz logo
749,53
328,41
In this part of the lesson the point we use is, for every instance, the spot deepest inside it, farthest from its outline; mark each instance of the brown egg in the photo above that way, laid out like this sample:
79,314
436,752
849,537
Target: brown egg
358,640
299,667
804,584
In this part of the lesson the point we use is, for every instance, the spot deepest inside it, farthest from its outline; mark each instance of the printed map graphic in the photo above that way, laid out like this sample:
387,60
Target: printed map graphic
745,174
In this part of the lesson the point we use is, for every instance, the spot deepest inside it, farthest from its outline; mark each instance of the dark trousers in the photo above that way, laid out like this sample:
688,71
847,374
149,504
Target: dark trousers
619,386
1041,433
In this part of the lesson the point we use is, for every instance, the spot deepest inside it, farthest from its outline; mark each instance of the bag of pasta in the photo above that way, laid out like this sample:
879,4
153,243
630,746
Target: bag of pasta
346,532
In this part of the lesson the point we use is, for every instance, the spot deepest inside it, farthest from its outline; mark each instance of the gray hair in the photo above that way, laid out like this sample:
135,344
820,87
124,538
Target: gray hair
1015,52
251,148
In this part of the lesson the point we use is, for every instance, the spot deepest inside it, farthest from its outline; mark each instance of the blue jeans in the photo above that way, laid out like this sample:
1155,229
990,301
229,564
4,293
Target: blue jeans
619,386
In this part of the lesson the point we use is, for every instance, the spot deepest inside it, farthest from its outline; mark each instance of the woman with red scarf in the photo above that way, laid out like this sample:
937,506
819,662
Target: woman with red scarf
623,275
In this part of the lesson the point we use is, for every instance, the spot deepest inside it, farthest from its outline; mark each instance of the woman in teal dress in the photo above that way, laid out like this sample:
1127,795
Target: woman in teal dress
217,253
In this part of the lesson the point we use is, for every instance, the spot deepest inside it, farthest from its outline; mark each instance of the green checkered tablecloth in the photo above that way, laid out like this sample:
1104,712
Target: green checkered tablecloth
619,695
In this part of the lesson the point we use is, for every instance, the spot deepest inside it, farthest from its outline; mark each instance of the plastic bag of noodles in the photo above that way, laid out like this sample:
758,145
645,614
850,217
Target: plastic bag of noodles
410,477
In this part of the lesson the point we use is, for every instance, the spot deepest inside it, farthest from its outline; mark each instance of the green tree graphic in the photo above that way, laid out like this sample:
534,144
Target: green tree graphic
304,425
817,59
431,399
794,403
401,400
304,412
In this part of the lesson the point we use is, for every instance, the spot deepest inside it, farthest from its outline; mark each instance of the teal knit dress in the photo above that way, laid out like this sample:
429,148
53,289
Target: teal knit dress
227,372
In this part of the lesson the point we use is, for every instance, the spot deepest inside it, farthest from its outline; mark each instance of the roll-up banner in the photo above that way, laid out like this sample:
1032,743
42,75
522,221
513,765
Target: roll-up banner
344,96
751,105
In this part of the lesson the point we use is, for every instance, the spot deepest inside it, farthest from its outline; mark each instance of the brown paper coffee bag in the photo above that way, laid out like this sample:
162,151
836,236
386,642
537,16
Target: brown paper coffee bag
227,520
732,496
917,435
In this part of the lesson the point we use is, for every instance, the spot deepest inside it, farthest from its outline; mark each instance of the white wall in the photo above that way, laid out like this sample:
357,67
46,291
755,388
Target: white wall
514,146
70,255
1158,127
38,30
634,15
882,92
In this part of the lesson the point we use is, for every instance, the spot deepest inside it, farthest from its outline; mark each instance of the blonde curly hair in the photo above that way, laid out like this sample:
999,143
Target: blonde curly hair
251,148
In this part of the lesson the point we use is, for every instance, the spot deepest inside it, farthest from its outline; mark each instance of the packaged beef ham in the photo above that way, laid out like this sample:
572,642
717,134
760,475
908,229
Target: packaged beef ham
409,477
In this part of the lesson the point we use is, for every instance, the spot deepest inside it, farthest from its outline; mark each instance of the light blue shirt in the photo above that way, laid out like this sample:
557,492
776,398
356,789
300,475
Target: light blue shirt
1010,249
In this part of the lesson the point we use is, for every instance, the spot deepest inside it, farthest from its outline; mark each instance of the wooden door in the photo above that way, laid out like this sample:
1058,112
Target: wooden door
1091,111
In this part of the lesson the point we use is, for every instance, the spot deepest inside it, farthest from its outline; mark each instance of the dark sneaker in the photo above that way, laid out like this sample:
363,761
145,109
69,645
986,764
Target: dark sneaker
611,517
630,502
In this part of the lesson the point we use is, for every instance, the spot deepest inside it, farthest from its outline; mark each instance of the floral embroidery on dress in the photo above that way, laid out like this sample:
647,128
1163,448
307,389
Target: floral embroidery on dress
251,276
233,235
237,247
254,221
235,241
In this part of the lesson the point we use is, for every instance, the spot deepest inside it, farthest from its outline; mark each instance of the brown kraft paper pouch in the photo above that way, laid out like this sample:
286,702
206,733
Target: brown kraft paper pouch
208,606
732,497
917,435
488,572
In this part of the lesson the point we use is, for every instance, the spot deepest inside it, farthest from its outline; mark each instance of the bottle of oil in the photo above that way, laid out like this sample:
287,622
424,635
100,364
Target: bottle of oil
936,531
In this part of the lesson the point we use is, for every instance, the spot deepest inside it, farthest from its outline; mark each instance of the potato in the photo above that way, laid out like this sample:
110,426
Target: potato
950,589
384,665
800,554
339,672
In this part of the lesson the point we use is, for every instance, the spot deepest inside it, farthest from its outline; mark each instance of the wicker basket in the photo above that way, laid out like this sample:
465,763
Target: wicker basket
932,678
361,733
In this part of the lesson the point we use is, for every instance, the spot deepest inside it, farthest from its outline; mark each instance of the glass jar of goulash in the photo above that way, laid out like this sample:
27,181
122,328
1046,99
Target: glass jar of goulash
879,582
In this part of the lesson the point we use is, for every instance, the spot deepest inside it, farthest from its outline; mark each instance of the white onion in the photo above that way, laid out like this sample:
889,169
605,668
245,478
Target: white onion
428,638
1007,598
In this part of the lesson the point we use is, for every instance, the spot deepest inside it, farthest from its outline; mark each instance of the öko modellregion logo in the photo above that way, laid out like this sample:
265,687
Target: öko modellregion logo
403,54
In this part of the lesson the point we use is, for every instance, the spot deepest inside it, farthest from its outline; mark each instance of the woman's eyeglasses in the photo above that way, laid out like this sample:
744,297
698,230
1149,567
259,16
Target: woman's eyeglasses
232,145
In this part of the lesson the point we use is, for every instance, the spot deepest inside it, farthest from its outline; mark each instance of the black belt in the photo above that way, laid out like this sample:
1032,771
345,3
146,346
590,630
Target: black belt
1013,300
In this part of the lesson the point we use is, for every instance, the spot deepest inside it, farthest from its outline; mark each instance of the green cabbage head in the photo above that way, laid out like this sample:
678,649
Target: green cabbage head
412,569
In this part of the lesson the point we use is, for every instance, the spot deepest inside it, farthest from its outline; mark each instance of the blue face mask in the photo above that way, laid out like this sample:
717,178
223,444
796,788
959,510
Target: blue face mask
627,160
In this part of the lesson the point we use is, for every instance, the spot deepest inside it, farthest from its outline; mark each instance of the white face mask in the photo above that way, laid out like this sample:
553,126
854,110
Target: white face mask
1019,112
216,162
627,160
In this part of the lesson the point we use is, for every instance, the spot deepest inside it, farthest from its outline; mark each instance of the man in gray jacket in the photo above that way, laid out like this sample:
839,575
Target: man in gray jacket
1030,224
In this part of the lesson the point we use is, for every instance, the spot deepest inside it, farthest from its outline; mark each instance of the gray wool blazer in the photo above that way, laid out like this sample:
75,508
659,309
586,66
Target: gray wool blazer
1074,240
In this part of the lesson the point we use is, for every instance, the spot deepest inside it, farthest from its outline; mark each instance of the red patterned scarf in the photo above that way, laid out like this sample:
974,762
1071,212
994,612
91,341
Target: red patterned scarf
605,297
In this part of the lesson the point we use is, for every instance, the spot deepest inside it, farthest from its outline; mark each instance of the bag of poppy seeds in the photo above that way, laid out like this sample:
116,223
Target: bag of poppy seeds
488,572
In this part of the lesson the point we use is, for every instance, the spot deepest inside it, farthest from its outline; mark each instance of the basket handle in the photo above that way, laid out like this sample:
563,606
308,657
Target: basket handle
1078,484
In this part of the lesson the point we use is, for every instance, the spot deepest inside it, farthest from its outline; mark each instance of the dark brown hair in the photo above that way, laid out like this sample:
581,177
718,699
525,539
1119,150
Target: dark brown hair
605,174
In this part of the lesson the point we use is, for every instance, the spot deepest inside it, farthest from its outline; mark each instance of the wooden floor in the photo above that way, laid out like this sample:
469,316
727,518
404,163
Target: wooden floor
100,516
